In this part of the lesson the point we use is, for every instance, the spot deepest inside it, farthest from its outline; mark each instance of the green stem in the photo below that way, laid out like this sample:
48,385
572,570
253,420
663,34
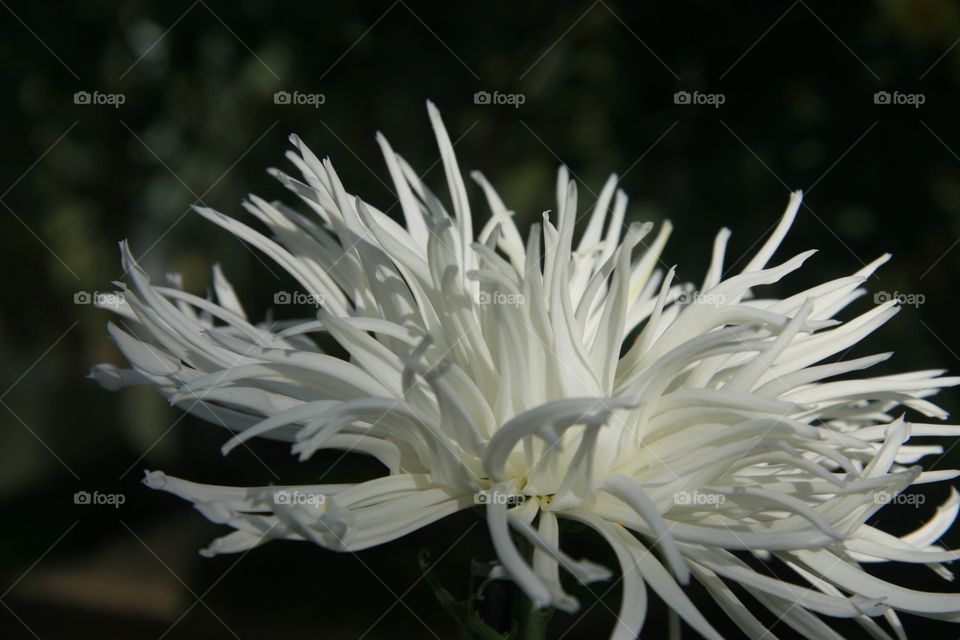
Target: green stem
536,623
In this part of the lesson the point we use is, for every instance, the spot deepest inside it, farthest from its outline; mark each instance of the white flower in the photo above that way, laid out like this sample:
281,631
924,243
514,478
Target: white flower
546,378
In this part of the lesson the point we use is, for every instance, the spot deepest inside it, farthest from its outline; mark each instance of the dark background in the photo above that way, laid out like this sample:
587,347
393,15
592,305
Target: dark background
199,124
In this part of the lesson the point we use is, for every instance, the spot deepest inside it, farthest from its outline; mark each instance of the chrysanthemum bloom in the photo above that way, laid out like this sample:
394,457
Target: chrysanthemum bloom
547,378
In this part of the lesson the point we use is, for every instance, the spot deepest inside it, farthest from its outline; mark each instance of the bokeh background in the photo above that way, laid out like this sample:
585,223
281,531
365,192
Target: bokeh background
199,123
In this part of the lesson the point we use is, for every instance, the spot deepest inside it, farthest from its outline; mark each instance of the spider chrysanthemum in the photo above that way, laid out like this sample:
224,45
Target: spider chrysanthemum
553,377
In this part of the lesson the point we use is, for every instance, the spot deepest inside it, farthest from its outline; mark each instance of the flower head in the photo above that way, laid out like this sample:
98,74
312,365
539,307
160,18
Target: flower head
549,377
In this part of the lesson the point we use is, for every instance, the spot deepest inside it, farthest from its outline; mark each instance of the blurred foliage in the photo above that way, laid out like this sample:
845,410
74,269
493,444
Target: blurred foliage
199,125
